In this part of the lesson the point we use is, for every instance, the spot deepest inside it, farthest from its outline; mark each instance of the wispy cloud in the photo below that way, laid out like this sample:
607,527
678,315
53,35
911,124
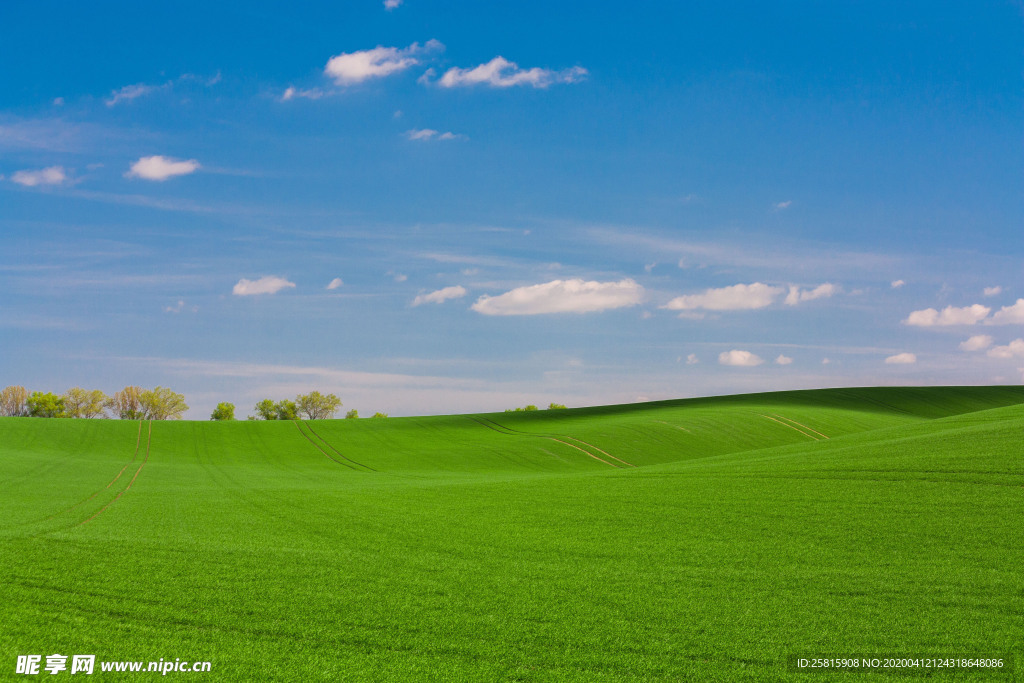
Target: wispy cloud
501,73
738,358
950,315
350,68
440,296
896,284
291,93
265,285
993,291
391,4
335,283
562,296
425,134
131,92
733,298
784,205
901,359
161,168
52,175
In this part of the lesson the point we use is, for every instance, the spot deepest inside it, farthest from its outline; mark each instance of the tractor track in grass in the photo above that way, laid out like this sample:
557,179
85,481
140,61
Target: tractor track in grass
328,444
502,429
789,419
786,424
149,441
138,441
317,446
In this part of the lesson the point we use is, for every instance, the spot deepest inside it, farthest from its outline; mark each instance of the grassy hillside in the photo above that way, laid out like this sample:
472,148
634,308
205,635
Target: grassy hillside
704,539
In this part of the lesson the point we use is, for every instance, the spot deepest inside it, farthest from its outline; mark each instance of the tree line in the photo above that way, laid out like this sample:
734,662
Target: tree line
131,403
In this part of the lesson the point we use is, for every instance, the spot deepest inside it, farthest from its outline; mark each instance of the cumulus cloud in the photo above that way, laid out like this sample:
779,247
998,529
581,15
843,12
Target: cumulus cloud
562,296
739,358
993,291
430,134
440,296
901,359
129,93
1009,315
692,359
350,68
797,295
783,360
1014,349
335,283
896,284
950,315
976,343
265,285
736,297
161,168
501,73
51,175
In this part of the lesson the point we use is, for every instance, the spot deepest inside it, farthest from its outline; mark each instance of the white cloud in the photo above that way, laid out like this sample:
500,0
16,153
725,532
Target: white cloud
901,359
783,360
784,205
58,101
1009,315
736,297
440,296
501,73
349,68
430,134
692,359
796,295
52,175
1014,349
391,4
335,283
738,358
896,284
993,291
826,361
265,285
161,168
562,296
129,93
976,343
929,317
292,92
178,308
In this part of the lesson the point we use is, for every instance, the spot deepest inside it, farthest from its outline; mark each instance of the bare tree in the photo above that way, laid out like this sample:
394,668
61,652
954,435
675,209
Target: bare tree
14,402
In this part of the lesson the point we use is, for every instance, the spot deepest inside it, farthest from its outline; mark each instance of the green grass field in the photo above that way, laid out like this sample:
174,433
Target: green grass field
704,539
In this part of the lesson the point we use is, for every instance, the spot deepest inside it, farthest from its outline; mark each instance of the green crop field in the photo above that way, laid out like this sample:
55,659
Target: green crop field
704,539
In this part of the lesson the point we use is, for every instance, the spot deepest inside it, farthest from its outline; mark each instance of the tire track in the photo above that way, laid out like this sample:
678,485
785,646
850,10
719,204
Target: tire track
789,419
508,431
327,443
316,446
138,441
149,441
786,424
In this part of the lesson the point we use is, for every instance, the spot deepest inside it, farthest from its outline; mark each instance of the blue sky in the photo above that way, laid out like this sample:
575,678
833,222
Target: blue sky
450,207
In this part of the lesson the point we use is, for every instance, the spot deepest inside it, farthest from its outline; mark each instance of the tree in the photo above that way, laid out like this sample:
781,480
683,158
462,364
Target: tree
352,414
79,402
316,406
45,405
556,406
286,410
125,404
267,409
380,414
223,411
13,402
162,404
